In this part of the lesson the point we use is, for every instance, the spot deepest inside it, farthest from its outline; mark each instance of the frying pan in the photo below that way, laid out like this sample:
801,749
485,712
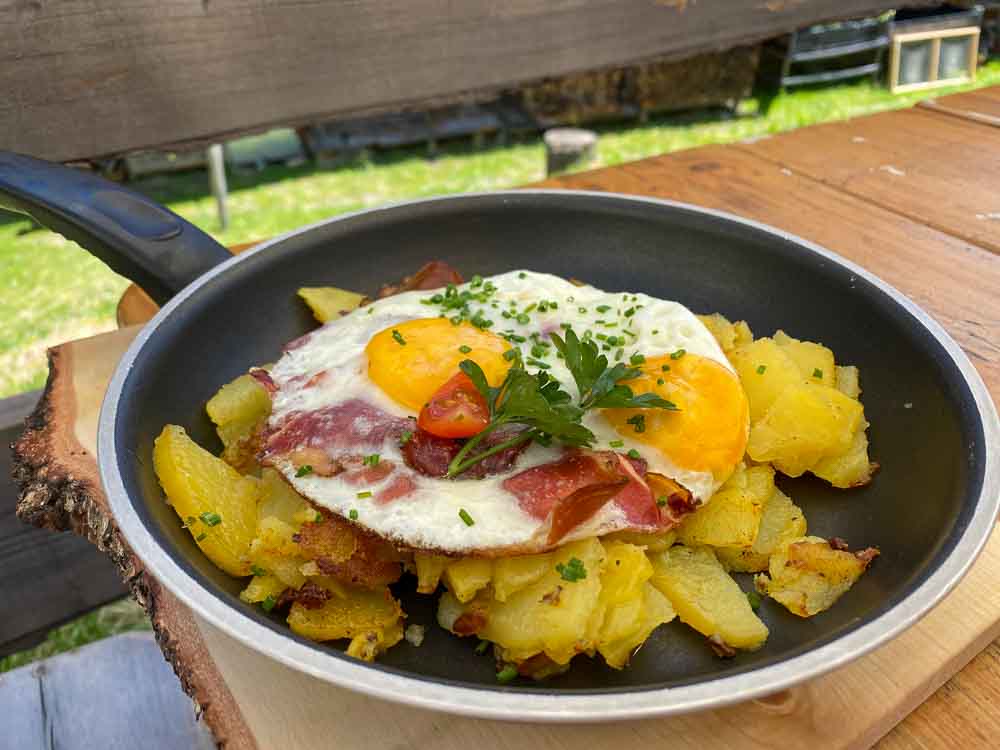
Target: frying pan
934,428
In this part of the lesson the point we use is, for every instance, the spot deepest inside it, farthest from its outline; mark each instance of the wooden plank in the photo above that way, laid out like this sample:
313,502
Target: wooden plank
930,168
91,78
114,694
958,283
67,576
981,105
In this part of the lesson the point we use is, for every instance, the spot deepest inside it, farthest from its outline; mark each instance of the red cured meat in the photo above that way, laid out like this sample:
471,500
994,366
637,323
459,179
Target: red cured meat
348,426
430,455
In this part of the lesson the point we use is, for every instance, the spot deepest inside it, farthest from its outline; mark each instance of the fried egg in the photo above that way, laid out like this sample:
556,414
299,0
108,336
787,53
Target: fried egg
353,385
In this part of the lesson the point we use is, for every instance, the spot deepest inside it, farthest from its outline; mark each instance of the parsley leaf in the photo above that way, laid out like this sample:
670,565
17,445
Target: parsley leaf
573,570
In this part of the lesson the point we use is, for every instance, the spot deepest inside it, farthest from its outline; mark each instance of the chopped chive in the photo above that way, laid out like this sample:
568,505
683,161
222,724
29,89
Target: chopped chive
268,604
538,363
665,368
661,501
318,518
201,537
398,337
481,648
630,312
637,359
581,310
522,275
602,308
660,381
818,373
510,354
363,494
754,598
656,331
189,522
257,570
523,319
372,460
761,369
353,514
465,349
405,437
678,354
638,422
620,353
477,280
304,470
617,443
466,518
210,518
537,351
507,674
633,453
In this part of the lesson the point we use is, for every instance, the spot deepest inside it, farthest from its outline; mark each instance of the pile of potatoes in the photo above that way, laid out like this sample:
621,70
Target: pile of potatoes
594,596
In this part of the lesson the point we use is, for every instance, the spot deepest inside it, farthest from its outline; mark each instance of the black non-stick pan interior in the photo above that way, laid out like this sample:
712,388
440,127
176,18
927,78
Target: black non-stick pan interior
924,431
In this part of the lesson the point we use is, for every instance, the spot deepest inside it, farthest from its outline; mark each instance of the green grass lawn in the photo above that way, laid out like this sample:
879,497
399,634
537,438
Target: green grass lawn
51,290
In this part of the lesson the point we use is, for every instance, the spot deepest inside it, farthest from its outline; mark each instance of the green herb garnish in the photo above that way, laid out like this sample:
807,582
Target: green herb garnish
573,570
661,501
210,518
405,437
353,514
268,604
761,369
638,422
303,471
754,598
634,454
481,648
257,570
372,459
678,354
201,537
818,373
507,674
466,518
365,493
398,337
465,349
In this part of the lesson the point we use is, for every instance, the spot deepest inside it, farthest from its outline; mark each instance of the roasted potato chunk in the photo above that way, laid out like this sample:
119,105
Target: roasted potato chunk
728,335
808,574
466,576
782,520
706,597
511,574
805,424
328,302
236,410
217,505
429,569
651,542
765,371
815,361
733,515
362,612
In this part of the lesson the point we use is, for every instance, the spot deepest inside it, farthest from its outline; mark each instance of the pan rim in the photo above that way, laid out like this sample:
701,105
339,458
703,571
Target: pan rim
517,705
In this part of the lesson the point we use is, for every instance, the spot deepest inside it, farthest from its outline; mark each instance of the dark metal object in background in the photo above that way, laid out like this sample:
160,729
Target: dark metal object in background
569,149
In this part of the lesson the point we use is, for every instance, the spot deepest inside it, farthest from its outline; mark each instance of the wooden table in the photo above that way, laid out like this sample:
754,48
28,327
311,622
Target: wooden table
912,196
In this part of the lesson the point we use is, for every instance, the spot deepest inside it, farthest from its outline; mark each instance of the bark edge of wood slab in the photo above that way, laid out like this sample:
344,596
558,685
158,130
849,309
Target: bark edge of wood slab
60,490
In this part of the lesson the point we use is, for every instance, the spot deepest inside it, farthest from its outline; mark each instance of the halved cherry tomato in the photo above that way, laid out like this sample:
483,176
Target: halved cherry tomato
455,410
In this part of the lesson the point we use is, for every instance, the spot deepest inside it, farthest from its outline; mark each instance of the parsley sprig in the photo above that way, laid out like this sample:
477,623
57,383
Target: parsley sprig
538,402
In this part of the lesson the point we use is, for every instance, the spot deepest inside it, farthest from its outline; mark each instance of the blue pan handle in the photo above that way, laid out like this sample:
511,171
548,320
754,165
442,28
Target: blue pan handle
136,237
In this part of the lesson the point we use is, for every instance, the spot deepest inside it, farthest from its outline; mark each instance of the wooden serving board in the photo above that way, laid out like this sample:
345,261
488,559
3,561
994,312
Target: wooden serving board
890,223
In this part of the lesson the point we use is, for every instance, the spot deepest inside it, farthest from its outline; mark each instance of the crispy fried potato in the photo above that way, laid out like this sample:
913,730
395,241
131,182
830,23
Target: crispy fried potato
651,542
815,361
236,410
733,516
363,613
465,576
263,588
851,468
429,569
218,506
328,302
728,335
805,424
766,370
706,597
807,575
511,574
782,520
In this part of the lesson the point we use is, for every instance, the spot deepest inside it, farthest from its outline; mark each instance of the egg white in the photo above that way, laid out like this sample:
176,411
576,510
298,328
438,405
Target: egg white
429,517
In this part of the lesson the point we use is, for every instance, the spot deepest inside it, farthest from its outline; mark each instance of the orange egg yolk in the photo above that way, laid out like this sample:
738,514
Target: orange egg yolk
411,360
708,433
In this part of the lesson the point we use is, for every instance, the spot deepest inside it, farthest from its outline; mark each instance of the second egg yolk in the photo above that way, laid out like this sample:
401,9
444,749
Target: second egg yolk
709,430
411,360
